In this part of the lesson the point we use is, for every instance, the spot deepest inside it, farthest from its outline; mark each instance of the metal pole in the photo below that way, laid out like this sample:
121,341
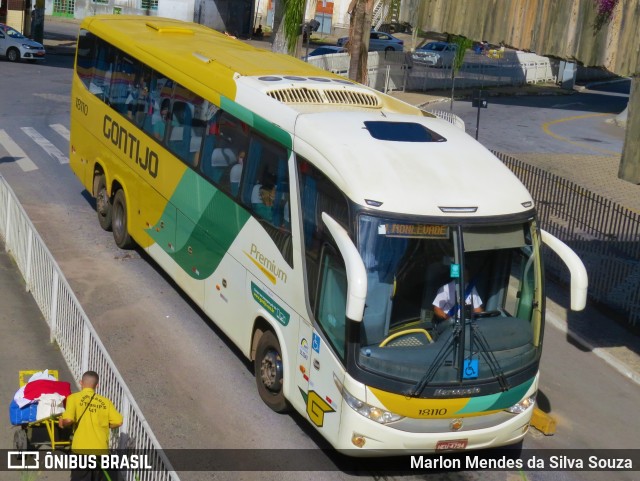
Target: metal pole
478,118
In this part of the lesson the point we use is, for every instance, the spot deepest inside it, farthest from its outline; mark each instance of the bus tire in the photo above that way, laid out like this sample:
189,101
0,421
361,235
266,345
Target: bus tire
119,221
270,372
104,207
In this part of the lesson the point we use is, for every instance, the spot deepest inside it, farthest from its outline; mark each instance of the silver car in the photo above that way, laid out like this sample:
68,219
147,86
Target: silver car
438,54
379,41
16,46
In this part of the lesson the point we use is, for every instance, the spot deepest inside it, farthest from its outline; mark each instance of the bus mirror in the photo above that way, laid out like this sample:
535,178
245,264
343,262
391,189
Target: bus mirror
579,278
356,273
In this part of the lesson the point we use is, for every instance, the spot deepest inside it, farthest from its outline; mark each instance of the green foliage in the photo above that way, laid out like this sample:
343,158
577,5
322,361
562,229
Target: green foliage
293,18
463,44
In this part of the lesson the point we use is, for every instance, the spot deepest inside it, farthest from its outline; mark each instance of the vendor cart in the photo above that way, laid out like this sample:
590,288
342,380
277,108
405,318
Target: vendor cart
31,433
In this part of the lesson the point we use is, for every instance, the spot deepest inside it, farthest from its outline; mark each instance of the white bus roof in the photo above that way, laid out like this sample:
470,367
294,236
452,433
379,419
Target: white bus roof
413,177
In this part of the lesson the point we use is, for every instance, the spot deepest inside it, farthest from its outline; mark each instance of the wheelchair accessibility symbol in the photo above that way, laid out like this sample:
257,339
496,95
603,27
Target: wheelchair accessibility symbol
470,369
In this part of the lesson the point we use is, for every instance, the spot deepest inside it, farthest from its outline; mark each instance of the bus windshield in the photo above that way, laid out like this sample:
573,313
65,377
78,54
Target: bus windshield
415,270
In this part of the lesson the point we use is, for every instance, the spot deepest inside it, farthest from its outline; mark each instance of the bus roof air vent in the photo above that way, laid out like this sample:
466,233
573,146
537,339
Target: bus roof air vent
332,96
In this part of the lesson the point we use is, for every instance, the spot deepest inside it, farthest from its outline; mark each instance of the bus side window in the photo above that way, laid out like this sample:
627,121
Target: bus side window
318,194
100,84
265,191
187,125
122,84
152,114
226,140
332,299
87,43
140,96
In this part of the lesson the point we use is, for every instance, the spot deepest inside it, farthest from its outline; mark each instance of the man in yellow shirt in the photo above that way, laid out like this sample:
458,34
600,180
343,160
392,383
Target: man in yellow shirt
93,416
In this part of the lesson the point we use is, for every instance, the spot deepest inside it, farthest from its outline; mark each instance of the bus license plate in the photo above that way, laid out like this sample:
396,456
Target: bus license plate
452,444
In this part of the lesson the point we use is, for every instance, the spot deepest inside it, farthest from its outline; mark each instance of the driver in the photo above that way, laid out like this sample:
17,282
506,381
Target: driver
444,305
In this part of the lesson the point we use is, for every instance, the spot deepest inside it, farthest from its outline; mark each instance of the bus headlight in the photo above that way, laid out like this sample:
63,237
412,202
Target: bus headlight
523,405
374,413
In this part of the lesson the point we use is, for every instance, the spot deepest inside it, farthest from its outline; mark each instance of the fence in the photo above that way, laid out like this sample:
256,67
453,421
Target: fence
604,234
74,334
397,71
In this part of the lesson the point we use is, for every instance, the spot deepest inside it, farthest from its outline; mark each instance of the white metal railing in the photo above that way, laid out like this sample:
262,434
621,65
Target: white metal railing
71,329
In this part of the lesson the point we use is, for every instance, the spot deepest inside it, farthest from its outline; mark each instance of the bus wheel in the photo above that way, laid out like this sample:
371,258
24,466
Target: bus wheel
104,208
119,221
269,372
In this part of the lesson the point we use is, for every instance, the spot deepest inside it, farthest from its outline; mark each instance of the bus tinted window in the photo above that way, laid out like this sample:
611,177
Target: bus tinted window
265,190
85,57
317,195
187,125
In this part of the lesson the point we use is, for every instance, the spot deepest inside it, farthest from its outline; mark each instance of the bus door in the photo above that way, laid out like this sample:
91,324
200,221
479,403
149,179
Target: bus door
322,345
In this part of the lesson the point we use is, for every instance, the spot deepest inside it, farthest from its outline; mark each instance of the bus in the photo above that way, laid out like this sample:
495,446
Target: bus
316,221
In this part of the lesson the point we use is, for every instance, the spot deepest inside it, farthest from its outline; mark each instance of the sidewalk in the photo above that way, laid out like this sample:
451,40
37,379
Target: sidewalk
25,346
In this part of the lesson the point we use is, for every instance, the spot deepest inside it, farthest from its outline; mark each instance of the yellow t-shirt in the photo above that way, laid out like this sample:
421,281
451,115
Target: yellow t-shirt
93,431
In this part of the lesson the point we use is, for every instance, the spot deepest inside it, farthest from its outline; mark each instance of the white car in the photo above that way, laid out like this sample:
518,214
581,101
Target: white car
16,46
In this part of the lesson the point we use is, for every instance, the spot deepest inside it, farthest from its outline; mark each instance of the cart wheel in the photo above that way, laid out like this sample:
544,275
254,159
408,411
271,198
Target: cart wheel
269,373
20,440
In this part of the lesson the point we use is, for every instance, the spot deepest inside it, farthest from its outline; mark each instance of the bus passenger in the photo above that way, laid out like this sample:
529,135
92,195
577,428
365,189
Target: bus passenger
263,197
159,124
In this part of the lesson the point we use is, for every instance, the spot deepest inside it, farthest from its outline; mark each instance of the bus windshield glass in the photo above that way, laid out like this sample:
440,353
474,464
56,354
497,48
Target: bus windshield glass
414,330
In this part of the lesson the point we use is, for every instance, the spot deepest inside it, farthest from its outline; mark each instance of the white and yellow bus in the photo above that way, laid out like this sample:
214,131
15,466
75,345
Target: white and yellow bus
315,221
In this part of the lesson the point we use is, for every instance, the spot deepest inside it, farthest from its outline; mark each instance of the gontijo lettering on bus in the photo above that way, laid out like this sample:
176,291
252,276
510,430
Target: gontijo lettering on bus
129,144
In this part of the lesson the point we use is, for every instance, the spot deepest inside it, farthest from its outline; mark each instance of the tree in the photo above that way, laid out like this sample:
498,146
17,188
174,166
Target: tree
463,44
289,17
361,12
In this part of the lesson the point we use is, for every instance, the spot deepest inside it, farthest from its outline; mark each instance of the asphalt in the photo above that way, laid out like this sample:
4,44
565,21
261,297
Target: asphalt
25,339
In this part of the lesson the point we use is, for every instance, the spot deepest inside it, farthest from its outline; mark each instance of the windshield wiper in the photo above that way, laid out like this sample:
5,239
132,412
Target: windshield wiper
478,339
452,343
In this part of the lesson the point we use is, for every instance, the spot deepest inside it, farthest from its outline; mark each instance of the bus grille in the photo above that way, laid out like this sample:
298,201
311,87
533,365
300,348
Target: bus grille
304,95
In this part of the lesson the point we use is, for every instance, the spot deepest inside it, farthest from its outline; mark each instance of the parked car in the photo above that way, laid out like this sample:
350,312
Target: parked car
16,46
327,50
378,41
396,27
324,50
438,54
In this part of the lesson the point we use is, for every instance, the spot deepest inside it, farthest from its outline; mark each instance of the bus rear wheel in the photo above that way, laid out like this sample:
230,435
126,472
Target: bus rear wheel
119,221
270,373
104,208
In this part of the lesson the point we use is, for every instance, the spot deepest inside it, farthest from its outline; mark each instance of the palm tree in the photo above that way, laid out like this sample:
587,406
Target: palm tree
361,12
288,17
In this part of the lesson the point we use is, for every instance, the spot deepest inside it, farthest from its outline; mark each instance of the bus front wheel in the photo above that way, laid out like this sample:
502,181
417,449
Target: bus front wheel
269,372
104,208
119,221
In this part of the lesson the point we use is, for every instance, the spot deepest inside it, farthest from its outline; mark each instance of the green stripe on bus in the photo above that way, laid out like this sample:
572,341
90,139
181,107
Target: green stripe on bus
263,126
497,401
204,229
